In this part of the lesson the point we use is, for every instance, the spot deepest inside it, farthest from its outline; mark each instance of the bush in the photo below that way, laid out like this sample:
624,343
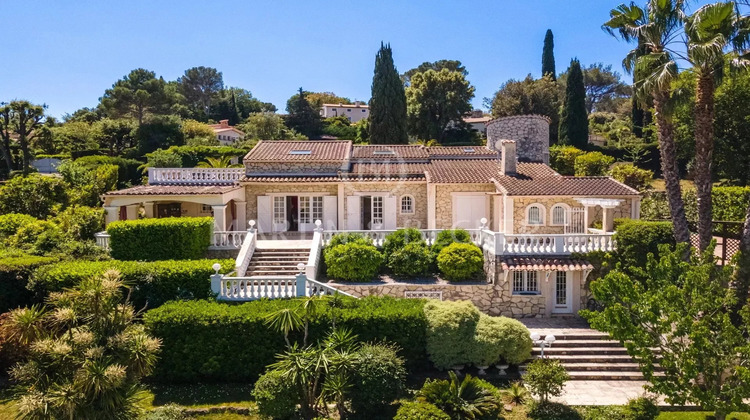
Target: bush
461,262
36,195
179,238
153,282
417,410
127,169
545,378
641,409
730,203
553,411
516,342
593,164
636,239
399,239
412,260
39,238
465,398
353,262
81,222
276,396
447,237
378,379
450,332
563,158
211,341
14,277
11,222
500,339
632,176
346,238
167,412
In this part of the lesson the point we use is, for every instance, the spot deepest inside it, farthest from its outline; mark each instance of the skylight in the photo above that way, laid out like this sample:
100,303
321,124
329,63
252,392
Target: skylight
300,152
469,150
384,152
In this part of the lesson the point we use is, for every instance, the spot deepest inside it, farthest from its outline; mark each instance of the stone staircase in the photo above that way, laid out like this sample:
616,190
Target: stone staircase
277,261
591,355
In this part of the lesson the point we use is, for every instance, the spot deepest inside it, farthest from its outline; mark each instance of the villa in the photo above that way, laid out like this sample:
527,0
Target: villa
527,218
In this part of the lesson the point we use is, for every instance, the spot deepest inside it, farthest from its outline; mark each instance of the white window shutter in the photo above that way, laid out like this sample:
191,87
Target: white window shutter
389,211
265,214
354,212
330,212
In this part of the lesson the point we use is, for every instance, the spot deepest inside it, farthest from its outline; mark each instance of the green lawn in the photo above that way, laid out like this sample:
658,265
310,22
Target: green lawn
699,415
201,395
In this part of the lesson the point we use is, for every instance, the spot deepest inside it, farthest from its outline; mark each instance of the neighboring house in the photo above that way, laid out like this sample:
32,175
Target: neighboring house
535,217
478,121
226,134
356,112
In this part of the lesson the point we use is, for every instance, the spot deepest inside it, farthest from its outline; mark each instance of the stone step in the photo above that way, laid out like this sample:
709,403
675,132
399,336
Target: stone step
584,343
280,251
271,273
569,359
554,351
280,257
258,266
605,376
579,336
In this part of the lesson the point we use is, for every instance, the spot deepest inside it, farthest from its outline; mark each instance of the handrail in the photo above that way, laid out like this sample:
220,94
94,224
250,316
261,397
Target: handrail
316,288
316,249
246,253
242,289
102,239
378,236
205,176
230,239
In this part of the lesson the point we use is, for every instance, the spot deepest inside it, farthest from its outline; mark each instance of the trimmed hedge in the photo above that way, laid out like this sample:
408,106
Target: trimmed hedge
636,239
461,262
399,239
171,238
14,276
353,261
593,164
412,260
11,222
211,341
419,410
153,283
729,204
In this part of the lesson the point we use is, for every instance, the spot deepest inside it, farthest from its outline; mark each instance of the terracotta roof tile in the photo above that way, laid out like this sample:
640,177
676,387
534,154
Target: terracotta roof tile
539,179
390,152
469,171
461,151
282,151
389,168
545,264
174,190
282,178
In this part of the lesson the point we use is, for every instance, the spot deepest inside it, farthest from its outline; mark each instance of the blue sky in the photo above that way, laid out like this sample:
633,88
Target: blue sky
66,53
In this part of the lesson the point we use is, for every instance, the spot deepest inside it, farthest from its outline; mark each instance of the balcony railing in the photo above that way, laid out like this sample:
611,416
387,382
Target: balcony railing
201,176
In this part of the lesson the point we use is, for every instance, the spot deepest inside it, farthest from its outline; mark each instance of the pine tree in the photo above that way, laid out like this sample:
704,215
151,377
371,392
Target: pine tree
548,55
574,122
388,102
302,117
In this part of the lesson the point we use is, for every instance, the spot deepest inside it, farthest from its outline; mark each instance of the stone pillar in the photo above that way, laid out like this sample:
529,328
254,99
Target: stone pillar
608,219
431,202
240,212
509,210
497,213
111,214
340,200
220,218
150,210
588,216
132,211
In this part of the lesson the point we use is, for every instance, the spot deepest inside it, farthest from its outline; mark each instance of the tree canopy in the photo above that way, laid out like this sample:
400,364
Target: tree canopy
137,95
548,55
574,122
436,100
302,116
388,102
199,86
451,65
527,96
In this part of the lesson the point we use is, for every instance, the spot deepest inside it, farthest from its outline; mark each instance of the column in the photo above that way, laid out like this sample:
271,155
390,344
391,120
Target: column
132,211
431,202
111,214
497,213
240,211
340,199
588,215
150,207
220,218
607,219
509,211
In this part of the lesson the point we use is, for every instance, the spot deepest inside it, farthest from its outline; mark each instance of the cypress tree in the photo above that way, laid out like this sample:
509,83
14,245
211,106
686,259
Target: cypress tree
388,102
574,122
548,55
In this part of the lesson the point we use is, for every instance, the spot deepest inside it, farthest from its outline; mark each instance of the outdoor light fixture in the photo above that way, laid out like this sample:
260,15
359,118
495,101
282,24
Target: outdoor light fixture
547,342
483,221
251,224
216,267
301,267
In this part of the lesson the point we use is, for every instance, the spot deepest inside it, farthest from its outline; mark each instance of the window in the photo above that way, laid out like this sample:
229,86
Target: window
348,110
304,210
279,210
364,110
469,150
377,210
384,152
317,209
561,288
535,215
206,208
525,283
407,204
559,215
300,152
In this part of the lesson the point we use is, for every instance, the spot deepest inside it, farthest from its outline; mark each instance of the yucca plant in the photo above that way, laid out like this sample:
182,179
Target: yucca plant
460,399
516,394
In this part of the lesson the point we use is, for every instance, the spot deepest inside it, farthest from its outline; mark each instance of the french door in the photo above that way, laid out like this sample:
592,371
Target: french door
563,292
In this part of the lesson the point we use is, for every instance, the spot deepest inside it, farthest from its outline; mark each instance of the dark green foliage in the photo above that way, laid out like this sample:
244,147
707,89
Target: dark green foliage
470,398
641,409
275,395
574,121
345,238
729,204
153,282
545,378
36,195
220,342
39,238
388,102
399,239
14,276
461,262
451,327
553,411
447,237
302,117
548,55
86,184
636,239
412,260
378,379
593,164
562,158
353,262
632,176
339,127
81,222
11,222
159,133
127,169
419,410
180,238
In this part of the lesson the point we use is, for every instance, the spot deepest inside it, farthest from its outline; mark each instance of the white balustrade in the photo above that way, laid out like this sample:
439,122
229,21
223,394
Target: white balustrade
232,239
254,288
378,236
316,288
102,239
205,176
316,250
246,253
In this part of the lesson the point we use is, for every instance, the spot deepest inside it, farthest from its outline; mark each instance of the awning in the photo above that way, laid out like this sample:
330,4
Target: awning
545,264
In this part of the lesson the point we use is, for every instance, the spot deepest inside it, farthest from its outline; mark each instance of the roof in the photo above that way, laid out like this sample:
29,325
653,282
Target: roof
461,151
545,264
174,190
467,171
471,120
348,105
223,129
532,179
284,151
389,152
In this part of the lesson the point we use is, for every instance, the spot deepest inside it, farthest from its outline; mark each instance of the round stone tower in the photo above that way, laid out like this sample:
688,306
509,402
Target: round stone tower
531,133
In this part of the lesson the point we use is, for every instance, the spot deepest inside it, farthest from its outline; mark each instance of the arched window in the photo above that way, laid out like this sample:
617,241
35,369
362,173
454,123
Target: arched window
560,215
407,204
535,214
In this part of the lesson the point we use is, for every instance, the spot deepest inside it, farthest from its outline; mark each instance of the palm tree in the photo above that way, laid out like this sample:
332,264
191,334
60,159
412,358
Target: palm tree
710,31
655,28
222,162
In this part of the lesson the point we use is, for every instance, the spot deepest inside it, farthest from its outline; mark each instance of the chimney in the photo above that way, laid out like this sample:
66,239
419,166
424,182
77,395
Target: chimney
477,113
224,123
509,158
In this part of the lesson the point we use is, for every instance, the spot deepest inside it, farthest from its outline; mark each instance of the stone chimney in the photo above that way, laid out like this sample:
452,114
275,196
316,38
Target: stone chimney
224,123
509,158
477,113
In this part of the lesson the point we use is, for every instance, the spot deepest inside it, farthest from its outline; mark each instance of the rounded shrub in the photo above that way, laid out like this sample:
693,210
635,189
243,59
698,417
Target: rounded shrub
400,239
275,395
347,238
632,176
412,260
353,262
11,222
636,239
81,222
450,331
38,238
461,262
516,342
593,164
418,410
642,408
447,237
563,158
378,379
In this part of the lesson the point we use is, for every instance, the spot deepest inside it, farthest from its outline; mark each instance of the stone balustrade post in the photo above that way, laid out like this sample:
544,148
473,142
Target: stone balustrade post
301,281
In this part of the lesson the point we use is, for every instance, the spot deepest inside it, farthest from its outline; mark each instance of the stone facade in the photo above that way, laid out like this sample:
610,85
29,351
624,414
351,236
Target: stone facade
520,205
317,168
252,191
531,133
398,189
444,194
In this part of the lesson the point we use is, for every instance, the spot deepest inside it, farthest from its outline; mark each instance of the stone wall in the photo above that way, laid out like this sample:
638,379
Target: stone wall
252,191
531,133
444,201
418,190
521,203
293,167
